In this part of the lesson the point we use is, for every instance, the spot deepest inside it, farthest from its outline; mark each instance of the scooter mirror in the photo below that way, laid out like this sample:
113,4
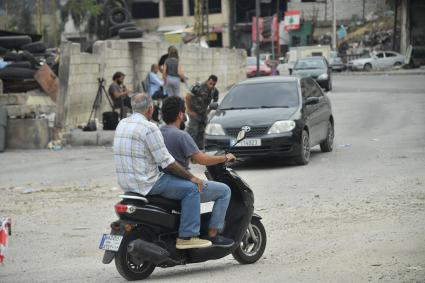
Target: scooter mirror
241,136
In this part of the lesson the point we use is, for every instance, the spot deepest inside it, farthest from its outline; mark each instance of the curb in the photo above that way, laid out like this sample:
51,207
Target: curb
381,73
77,137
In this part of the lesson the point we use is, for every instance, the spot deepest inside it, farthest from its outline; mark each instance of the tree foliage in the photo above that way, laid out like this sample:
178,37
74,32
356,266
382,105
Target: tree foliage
80,11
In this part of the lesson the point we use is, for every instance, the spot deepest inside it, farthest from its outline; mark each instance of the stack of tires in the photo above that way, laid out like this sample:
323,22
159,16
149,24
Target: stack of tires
23,58
119,20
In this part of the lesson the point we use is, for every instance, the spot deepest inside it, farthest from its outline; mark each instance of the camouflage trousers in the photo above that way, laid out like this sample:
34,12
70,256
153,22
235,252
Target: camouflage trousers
196,129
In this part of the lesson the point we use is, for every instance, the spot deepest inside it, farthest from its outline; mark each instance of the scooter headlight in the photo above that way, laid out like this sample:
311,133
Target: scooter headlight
214,130
282,127
323,77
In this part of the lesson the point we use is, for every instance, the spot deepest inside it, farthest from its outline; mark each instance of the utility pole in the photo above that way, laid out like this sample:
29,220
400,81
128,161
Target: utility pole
333,25
38,16
55,22
257,35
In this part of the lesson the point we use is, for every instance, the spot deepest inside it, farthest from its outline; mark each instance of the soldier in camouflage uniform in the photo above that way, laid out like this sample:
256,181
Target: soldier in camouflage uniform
197,102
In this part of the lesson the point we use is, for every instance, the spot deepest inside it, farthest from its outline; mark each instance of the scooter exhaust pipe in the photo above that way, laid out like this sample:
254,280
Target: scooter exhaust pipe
148,251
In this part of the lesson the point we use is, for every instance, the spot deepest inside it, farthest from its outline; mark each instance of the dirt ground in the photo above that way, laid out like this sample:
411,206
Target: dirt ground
354,215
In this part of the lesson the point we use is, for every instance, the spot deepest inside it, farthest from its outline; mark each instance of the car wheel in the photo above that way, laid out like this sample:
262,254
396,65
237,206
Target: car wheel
367,67
328,144
397,64
329,85
304,156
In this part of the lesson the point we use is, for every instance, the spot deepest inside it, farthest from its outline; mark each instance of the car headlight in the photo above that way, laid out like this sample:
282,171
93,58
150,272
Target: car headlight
214,130
323,77
282,127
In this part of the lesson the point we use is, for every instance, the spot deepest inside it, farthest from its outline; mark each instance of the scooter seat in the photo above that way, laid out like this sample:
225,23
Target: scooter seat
168,204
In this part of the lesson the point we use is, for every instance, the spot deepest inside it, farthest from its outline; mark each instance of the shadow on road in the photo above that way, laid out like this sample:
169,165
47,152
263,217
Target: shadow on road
272,162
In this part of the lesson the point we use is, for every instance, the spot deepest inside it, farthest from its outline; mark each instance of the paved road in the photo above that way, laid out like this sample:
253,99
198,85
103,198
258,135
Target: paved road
354,215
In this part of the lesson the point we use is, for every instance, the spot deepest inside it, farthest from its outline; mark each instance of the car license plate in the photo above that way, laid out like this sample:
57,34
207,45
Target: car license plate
250,142
110,242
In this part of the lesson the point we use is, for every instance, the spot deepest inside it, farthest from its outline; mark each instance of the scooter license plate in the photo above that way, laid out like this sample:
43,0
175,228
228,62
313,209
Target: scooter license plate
110,242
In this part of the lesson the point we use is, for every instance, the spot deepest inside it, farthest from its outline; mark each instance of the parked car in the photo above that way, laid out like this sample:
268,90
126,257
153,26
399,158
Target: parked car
317,68
380,60
283,116
251,68
336,62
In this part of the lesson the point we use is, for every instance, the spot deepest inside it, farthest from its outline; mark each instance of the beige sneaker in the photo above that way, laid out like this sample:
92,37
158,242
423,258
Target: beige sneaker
193,243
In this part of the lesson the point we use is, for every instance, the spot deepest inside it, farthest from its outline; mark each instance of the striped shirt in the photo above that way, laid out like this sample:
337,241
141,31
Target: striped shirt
138,151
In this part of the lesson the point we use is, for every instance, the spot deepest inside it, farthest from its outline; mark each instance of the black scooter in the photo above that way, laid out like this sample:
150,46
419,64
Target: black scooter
145,235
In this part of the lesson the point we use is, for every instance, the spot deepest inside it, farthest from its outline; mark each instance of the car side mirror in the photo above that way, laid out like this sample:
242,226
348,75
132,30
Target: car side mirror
213,105
311,100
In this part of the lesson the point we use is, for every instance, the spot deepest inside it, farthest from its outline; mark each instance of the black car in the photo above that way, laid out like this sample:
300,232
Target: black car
317,68
283,116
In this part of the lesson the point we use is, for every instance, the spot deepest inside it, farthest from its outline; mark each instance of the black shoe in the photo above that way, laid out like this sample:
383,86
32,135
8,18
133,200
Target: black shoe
220,241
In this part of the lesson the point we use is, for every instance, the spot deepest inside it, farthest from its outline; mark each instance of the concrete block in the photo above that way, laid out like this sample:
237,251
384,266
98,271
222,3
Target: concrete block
28,133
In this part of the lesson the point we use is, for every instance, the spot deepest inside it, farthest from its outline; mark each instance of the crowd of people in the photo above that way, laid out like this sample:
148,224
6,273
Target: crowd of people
155,161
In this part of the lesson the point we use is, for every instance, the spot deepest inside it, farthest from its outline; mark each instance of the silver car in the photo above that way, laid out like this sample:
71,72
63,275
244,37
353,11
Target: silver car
379,60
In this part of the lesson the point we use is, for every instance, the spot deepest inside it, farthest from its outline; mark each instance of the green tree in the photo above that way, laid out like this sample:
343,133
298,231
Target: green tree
80,11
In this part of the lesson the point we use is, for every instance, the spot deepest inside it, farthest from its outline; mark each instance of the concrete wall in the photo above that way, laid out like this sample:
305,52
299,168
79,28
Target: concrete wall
79,71
345,9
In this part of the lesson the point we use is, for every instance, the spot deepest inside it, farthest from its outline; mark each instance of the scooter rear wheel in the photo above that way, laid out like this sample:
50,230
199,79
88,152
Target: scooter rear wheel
129,267
250,250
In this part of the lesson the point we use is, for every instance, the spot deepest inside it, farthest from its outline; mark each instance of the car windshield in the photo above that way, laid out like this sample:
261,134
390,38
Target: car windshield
252,61
261,95
366,55
334,54
309,64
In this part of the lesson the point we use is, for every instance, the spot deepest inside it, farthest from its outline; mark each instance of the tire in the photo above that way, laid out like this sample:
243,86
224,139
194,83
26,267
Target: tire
249,251
14,42
304,156
130,33
13,57
20,86
29,57
125,263
113,31
118,16
367,67
397,64
20,64
35,47
328,144
16,73
329,85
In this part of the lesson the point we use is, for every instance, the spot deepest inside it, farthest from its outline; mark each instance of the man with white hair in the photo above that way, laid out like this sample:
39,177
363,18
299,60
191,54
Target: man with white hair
139,150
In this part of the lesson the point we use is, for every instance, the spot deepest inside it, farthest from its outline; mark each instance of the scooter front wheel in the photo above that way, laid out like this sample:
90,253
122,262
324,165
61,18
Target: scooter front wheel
253,243
130,267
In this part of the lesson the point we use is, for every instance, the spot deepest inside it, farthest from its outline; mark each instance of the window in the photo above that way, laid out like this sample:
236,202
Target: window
145,10
261,95
305,89
173,8
315,89
380,55
389,54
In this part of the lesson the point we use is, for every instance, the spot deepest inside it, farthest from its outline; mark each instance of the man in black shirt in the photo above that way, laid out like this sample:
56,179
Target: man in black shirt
163,58
120,94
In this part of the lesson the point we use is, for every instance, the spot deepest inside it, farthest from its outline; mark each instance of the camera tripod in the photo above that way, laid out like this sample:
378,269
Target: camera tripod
91,126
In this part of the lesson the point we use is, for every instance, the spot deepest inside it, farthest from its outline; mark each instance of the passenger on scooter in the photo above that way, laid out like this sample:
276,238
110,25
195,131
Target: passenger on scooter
182,147
139,151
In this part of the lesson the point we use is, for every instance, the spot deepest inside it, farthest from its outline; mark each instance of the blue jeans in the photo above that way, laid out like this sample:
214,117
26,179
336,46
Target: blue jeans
176,188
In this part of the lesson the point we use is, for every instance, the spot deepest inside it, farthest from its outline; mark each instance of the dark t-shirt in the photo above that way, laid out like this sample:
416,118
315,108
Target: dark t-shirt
114,87
180,144
162,59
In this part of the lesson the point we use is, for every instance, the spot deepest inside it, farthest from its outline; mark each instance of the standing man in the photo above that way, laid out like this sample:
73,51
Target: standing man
139,151
120,94
182,147
197,102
